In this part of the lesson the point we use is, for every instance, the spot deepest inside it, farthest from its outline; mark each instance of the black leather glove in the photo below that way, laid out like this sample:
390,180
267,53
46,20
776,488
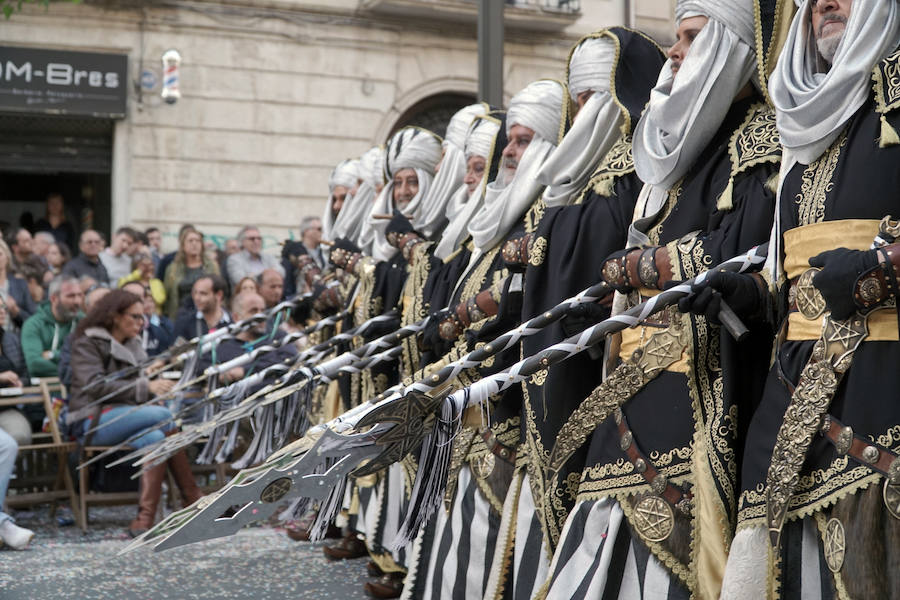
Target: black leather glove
837,279
399,225
345,244
583,316
292,249
742,292
431,334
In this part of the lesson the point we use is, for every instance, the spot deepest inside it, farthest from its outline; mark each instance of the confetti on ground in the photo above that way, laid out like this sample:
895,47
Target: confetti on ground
259,563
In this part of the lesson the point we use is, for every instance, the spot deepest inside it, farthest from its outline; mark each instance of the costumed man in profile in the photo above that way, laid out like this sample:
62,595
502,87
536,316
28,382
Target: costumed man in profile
590,197
483,144
411,157
482,306
656,500
818,514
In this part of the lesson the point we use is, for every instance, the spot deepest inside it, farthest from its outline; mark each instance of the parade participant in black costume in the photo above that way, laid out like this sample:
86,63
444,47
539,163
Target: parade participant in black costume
658,492
590,198
818,514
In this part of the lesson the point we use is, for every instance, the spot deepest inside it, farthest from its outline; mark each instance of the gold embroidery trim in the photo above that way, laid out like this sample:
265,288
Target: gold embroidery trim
816,184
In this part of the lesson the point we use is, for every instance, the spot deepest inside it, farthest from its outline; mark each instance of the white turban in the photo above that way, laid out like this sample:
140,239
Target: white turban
539,107
459,124
346,174
409,148
597,126
736,15
371,166
590,67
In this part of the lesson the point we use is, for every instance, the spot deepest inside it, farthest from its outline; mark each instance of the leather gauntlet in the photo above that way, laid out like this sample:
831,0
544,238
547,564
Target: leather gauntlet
307,269
638,268
516,253
877,285
459,318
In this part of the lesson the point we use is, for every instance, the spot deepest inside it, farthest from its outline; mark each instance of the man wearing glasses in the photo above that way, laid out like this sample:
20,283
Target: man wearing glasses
88,260
251,260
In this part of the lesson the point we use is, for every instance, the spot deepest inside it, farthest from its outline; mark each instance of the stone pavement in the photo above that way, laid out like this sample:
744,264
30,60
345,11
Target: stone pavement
260,563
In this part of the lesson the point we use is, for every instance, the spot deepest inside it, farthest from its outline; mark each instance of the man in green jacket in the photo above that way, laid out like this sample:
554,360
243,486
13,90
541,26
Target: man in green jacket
43,333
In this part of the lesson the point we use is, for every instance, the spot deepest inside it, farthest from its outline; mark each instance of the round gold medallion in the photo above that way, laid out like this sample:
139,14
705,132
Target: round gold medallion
835,545
891,495
484,466
276,490
653,519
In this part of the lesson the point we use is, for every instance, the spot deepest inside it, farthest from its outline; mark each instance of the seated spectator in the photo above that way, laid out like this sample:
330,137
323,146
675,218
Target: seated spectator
12,535
41,242
117,257
88,260
271,287
56,222
58,254
247,284
13,373
158,332
208,294
232,246
167,259
44,333
251,260
143,273
107,341
20,245
14,290
310,239
187,267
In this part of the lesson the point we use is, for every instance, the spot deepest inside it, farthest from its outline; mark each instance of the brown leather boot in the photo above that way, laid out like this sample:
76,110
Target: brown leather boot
187,485
150,491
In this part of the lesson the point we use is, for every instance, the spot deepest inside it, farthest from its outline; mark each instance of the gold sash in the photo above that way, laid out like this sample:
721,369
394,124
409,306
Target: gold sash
802,243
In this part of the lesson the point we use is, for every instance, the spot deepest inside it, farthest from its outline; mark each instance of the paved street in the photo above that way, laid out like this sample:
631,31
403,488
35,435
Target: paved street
259,563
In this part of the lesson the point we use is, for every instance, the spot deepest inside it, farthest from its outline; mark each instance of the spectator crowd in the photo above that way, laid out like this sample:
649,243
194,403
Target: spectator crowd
47,288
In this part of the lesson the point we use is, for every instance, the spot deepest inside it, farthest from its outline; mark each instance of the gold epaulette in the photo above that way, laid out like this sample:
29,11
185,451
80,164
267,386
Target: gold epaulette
618,162
754,143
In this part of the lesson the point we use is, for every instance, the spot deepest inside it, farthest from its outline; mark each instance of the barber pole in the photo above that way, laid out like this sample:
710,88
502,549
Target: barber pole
171,63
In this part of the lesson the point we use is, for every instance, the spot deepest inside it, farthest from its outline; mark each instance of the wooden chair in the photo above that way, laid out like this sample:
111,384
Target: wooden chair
50,445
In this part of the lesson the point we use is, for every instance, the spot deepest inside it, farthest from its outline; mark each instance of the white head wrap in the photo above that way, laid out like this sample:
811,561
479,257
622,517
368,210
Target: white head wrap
596,128
541,107
814,102
371,166
591,65
451,171
409,148
686,111
350,221
479,142
346,174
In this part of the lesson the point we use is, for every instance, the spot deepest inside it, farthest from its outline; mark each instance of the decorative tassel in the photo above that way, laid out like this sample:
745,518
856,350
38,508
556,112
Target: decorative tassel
726,200
263,424
229,444
328,511
889,135
772,183
304,400
431,478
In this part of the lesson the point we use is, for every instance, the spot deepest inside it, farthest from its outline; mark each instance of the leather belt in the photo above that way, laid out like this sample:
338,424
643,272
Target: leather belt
861,449
660,485
501,451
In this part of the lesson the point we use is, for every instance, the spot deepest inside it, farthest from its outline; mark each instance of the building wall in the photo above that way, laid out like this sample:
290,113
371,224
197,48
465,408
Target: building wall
274,94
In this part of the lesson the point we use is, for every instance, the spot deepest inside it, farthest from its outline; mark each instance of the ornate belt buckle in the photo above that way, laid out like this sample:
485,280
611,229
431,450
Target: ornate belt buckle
810,302
484,466
653,519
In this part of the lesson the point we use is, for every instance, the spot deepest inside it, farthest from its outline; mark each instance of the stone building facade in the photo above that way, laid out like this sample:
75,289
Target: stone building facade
273,93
